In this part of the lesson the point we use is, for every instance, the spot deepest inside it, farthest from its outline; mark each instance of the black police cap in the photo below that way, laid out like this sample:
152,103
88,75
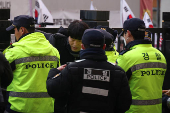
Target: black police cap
110,30
22,21
108,38
133,24
93,38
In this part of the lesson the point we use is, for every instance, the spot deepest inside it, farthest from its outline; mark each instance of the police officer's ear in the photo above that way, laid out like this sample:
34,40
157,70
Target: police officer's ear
129,33
24,30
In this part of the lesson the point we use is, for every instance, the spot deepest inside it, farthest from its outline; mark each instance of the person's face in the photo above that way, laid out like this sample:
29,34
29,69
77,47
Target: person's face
126,36
18,34
75,44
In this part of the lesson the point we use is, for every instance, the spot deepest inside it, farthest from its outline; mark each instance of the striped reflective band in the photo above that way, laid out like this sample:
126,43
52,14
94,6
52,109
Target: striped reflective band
36,58
147,102
148,65
95,91
29,94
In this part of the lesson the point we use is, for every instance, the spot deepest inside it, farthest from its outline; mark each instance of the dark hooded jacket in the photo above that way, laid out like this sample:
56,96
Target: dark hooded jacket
60,41
6,77
90,85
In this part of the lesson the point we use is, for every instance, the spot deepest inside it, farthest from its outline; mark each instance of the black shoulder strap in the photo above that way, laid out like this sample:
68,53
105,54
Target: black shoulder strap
123,52
11,46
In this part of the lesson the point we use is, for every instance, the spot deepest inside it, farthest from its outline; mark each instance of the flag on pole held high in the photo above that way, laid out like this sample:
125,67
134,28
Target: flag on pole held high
149,24
91,5
146,6
41,12
126,11
147,20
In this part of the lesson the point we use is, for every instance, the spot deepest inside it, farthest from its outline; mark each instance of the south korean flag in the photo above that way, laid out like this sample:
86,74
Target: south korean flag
126,11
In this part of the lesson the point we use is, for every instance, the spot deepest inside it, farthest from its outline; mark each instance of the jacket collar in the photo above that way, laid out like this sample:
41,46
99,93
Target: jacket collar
23,36
96,54
136,42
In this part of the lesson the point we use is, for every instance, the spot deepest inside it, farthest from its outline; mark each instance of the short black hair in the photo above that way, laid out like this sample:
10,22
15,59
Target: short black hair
76,29
29,29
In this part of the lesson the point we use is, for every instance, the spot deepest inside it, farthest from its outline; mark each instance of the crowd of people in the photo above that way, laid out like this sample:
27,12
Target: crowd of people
78,70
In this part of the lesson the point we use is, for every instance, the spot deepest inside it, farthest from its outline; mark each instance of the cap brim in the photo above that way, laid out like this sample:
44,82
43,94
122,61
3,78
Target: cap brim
10,28
120,34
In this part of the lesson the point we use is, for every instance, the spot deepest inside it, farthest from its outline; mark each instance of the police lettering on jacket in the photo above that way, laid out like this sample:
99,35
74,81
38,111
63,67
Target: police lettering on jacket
153,72
40,65
97,74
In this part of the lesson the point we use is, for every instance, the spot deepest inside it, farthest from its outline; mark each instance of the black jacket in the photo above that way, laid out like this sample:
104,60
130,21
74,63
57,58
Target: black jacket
90,85
60,41
165,105
6,75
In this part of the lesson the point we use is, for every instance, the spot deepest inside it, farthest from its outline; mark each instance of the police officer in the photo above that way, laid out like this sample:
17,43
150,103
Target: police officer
91,84
31,58
110,36
145,67
68,42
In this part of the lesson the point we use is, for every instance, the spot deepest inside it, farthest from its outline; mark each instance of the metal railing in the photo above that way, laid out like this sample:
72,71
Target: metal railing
156,33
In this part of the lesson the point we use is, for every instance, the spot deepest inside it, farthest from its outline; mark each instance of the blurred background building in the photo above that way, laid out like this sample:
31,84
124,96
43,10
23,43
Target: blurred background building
65,11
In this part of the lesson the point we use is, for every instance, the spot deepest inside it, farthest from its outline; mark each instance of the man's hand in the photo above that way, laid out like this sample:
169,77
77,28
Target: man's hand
62,67
166,92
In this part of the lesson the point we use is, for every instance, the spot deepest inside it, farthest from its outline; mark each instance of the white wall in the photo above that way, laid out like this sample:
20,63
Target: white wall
60,8
18,7
71,8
